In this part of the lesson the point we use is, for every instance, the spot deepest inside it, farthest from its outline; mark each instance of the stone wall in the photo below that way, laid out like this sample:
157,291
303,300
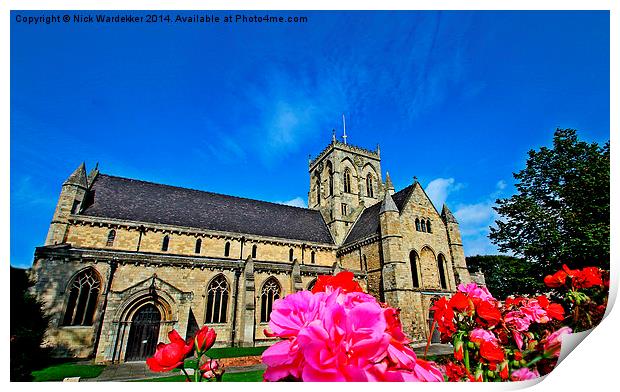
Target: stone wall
177,288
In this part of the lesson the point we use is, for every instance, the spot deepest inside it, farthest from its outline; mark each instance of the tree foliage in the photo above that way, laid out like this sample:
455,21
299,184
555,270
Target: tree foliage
560,213
28,326
507,275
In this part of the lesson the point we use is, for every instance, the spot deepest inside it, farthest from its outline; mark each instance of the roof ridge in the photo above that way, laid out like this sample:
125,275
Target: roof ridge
203,191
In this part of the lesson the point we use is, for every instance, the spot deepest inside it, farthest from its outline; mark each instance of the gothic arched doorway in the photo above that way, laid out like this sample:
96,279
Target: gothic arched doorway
143,333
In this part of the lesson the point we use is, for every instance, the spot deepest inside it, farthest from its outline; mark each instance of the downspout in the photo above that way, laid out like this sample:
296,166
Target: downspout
360,254
113,266
234,320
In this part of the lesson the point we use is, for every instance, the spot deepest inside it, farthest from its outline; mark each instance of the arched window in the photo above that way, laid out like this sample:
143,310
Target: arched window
312,261
441,263
227,249
413,260
83,297
330,177
369,188
198,245
347,180
428,226
111,237
290,255
254,251
217,300
269,293
423,226
165,243
318,192
417,224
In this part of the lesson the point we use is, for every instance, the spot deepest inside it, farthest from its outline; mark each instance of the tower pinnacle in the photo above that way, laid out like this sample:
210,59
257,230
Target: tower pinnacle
344,127
389,187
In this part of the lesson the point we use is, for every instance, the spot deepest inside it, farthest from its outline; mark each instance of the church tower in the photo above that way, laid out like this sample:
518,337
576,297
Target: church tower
344,179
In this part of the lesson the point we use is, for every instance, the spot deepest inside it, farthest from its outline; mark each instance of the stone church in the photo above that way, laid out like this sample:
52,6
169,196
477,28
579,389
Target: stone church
125,261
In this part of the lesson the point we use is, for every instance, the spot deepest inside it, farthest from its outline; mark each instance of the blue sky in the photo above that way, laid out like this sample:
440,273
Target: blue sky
454,98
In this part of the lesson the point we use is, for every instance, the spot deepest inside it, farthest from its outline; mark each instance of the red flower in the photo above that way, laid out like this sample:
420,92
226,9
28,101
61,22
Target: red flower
543,301
204,339
518,355
555,311
343,280
461,303
588,277
488,314
394,327
170,356
454,371
492,352
556,280
444,316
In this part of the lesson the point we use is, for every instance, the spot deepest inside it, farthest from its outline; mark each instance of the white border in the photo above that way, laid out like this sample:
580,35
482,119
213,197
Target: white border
590,367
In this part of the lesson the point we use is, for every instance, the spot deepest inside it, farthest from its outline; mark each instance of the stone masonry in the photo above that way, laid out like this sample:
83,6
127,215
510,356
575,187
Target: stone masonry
117,247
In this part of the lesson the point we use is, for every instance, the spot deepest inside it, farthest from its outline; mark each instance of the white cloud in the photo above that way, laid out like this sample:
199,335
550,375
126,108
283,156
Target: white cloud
475,214
475,220
296,202
439,189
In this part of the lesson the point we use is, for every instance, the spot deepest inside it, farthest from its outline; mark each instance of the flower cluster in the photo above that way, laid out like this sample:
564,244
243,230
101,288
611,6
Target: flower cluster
172,356
584,292
519,338
495,341
339,333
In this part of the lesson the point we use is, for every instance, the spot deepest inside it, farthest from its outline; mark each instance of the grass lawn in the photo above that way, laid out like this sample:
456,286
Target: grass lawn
253,376
68,369
233,352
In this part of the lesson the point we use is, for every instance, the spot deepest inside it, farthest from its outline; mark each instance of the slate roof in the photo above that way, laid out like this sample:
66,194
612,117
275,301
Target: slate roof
368,222
134,200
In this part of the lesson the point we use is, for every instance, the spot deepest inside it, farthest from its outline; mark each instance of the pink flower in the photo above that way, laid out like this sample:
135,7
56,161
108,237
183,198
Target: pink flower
340,336
524,374
475,291
518,321
535,312
289,316
480,335
553,343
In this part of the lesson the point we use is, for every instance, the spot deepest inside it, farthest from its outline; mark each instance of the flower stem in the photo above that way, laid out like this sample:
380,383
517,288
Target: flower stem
197,369
186,375
466,356
533,361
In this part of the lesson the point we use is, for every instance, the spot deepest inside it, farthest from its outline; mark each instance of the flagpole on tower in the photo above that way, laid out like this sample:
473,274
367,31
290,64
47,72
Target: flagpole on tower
344,126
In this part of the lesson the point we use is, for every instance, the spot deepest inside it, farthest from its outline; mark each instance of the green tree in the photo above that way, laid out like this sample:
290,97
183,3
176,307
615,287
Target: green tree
28,325
507,275
560,213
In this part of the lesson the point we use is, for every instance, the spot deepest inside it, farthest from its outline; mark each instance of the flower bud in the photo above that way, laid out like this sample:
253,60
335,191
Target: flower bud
458,350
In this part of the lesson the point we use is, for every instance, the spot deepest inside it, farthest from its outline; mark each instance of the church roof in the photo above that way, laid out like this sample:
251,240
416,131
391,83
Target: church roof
368,222
134,200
